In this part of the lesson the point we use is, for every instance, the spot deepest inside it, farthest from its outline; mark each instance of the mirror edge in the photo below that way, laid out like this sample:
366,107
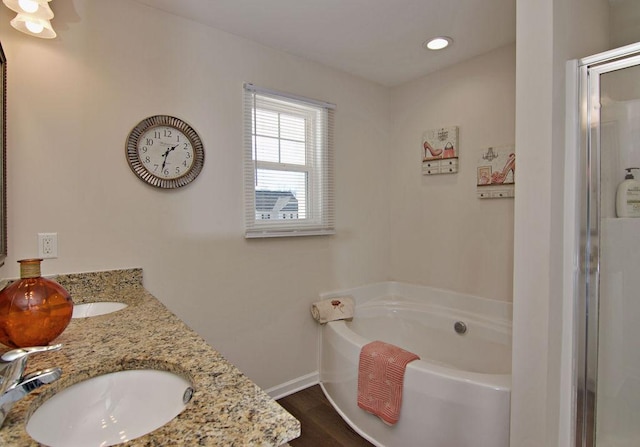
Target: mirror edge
3,160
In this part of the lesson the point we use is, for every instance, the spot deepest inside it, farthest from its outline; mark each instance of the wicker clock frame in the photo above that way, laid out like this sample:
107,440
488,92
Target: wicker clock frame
136,165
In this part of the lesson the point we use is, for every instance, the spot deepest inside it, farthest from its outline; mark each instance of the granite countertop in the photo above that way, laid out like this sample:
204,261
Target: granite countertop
227,409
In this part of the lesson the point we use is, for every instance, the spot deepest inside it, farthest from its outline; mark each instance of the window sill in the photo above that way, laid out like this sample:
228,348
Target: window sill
291,233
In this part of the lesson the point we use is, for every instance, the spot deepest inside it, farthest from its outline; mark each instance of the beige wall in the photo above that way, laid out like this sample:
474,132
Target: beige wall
624,22
442,235
72,102
549,32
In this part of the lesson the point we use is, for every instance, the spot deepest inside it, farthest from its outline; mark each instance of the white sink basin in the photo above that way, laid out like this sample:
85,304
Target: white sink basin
110,409
94,309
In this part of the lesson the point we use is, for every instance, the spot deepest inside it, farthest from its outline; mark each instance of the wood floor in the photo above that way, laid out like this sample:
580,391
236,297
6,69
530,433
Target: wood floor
321,425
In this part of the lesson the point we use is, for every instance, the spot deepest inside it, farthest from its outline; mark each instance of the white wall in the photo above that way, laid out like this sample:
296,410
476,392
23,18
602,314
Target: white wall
624,22
549,32
73,101
442,235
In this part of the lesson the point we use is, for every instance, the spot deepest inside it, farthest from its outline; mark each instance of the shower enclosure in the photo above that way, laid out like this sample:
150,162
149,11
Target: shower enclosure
607,252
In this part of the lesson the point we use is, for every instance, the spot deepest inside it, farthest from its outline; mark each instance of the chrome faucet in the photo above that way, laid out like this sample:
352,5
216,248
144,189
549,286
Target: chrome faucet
14,384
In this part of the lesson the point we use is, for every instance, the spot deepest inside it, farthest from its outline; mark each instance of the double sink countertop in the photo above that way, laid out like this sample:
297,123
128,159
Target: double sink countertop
227,409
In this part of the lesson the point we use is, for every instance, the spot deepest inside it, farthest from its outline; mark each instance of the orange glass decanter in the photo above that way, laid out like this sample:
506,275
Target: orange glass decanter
33,310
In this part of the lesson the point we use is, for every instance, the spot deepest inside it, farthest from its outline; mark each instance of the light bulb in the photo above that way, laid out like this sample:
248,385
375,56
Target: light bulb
28,5
35,28
35,8
438,43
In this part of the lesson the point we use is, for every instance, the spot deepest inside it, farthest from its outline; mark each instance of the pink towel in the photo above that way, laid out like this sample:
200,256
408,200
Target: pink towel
380,379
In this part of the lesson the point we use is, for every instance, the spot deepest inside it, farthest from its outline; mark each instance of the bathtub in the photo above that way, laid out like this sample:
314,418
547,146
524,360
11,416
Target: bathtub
456,395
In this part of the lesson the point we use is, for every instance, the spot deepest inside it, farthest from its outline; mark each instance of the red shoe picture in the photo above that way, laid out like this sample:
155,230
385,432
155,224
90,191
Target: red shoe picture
435,153
510,166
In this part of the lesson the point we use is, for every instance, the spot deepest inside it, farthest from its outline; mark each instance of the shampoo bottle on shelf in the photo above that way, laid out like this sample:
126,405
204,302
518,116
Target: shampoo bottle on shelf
628,196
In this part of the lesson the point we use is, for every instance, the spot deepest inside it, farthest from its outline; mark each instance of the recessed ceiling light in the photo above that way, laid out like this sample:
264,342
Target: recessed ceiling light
438,43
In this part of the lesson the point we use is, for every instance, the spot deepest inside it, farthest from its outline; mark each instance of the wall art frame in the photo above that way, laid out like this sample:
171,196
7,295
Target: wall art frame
496,172
440,151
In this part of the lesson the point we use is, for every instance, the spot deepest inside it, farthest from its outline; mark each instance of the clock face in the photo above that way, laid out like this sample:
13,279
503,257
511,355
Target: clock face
165,152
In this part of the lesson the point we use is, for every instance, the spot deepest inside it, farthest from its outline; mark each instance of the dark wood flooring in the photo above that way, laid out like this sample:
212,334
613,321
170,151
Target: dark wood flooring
321,425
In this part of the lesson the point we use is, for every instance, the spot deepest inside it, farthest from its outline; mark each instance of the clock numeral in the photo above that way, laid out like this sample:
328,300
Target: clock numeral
144,149
165,172
186,146
178,140
167,133
177,169
147,160
188,155
184,163
155,167
149,142
156,134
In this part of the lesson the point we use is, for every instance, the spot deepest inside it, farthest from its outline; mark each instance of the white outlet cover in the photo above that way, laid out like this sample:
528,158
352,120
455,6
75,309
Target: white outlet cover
48,245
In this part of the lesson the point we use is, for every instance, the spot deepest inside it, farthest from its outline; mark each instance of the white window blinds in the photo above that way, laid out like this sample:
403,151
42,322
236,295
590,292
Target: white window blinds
288,164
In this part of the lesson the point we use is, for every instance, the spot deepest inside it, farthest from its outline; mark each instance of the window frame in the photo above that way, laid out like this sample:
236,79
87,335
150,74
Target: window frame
318,166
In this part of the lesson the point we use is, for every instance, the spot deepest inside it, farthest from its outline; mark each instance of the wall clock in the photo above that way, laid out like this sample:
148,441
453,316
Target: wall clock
165,152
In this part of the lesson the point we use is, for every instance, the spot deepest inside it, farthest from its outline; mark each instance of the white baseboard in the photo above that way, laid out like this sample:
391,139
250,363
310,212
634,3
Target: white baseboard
295,385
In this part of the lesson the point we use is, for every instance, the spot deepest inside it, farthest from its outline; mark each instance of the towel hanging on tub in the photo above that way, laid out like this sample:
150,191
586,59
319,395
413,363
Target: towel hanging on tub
338,308
381,379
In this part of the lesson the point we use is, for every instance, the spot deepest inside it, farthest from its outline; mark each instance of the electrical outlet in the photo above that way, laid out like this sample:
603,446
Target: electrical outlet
48,245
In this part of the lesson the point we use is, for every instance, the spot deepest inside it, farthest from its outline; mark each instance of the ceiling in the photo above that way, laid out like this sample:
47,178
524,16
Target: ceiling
379,40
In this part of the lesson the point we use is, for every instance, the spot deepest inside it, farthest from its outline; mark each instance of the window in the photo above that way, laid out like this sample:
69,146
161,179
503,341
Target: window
288,164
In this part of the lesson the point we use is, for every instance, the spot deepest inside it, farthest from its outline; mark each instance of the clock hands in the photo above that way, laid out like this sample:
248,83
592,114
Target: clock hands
166,154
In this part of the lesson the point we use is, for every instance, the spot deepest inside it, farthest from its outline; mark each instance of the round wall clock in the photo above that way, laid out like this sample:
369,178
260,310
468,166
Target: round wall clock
165,152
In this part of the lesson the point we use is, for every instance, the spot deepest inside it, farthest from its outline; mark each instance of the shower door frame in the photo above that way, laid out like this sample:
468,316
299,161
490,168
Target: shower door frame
586,274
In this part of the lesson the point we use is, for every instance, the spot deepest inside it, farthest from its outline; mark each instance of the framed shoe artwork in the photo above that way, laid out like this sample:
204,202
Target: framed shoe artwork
440,151
496,172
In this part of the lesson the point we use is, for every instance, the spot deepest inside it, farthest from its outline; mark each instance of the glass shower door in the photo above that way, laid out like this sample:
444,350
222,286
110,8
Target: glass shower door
611,379
618,390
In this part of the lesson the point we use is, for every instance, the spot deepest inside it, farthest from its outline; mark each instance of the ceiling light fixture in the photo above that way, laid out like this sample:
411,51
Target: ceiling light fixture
438,43
33,17
35,8
33,26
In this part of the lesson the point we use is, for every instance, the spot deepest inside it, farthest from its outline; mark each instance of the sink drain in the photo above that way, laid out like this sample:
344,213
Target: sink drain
460,327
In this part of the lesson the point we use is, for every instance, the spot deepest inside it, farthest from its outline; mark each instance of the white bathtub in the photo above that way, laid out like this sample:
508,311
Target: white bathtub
456,395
